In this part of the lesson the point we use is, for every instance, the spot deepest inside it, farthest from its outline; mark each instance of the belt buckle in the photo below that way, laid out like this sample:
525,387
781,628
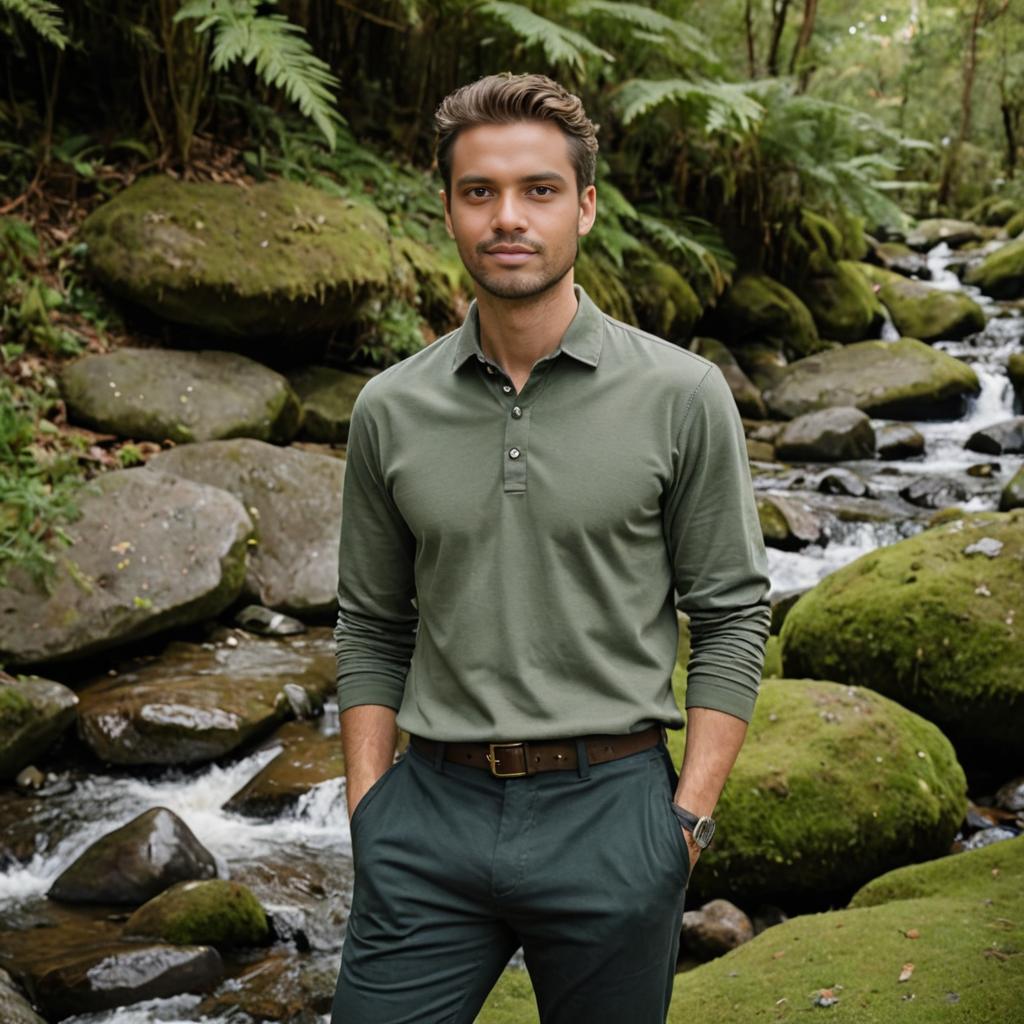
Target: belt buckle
493,760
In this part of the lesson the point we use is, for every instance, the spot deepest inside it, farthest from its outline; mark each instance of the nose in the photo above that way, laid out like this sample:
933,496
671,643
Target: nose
509,215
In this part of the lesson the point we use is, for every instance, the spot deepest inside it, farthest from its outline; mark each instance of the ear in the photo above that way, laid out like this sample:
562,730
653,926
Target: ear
588,210
447,213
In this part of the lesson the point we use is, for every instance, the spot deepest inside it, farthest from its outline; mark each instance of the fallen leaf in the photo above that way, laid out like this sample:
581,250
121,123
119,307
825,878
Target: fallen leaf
912,933
824,997
778,953
908,970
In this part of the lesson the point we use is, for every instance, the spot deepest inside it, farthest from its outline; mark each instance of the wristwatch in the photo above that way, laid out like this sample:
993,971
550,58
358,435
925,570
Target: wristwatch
702,828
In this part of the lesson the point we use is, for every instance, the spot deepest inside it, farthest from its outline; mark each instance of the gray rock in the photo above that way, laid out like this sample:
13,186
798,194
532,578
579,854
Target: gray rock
33,713
715,929
1006,438
898,441
903,379
1001,273
830,435
14,1007
1010,795
271,260
327,396
787,523
929,233
294,498
988,836
196,702
934,492
843,481
150,552
844,305
110,977
990,547
747,397
135,862
901,259
265,622
157,394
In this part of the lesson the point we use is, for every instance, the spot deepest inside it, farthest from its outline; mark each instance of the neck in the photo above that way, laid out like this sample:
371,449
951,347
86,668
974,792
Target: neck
515,333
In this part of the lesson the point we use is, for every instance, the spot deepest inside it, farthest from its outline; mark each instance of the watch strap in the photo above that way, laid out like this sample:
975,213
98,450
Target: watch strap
686,818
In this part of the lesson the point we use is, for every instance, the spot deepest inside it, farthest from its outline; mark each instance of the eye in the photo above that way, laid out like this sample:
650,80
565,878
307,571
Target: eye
479,192
543,191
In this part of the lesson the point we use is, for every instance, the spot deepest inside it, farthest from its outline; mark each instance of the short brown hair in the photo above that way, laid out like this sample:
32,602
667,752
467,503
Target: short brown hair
506,98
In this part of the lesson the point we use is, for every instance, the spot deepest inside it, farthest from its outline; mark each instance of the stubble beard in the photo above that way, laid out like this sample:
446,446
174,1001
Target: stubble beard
516,286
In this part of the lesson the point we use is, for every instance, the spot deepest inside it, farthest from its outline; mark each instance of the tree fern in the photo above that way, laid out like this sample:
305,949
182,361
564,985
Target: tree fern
280,51
724,106
561,45
648,24
43,15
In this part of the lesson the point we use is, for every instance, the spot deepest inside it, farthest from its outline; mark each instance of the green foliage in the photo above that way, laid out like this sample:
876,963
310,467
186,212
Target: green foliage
721,106
647,24
279,49
560,45
43,15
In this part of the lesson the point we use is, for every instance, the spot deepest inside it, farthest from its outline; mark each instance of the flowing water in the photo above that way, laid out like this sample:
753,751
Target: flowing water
299,865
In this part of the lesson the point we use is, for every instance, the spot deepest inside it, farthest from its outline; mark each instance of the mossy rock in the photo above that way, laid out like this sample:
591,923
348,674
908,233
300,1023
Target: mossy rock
1013,493
760,310
275,259
664,300
211,913
1001,274
1015,225
904,379
930,626
842,303
998,212
923,312
328,396
34,712
605,283
834,784
955,233
1015,371
745,394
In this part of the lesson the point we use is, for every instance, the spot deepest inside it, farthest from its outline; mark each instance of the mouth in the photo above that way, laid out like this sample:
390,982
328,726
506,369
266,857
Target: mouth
510,254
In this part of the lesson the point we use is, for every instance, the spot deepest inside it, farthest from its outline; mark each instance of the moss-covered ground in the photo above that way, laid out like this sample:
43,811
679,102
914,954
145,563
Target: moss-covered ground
958,920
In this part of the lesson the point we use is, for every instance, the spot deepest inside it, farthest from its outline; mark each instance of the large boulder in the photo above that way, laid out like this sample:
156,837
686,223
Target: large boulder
760,310
898,441
135,862
826,771
294,498
157,394
664,300
34,712
197,702
1001,274
787,522
149,552
904,379
922,311
843,304
327,396
1015,371
747,397
210,913
1005,438
829,435
272,259
15,1007
955,921
929,233
931,621
901,259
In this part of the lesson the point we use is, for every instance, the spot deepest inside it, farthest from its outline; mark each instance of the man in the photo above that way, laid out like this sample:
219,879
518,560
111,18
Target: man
523,501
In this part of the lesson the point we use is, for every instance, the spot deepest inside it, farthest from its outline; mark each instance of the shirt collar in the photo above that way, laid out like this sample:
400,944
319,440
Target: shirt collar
582,340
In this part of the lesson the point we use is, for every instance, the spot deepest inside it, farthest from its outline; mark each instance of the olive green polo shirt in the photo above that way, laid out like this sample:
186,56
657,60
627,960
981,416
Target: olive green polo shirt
510,564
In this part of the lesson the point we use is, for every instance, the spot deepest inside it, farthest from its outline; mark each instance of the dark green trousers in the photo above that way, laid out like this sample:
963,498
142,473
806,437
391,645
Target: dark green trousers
455,869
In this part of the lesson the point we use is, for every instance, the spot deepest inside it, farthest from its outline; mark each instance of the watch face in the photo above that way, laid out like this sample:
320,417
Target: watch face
703,831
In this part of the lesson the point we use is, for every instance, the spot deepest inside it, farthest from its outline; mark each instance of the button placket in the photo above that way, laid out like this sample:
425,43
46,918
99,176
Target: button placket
514,455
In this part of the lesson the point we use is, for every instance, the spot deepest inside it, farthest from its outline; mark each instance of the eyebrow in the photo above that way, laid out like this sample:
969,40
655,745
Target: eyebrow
529,179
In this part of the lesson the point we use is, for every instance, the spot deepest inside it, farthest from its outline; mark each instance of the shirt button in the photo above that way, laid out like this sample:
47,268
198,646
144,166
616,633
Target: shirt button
514,453
506,388
516,412
490,369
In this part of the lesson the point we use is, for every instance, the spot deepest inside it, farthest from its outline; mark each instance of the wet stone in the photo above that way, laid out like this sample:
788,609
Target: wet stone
1006,438
266,622
715,928
1010,795
988,836
136,862
934,492
898,441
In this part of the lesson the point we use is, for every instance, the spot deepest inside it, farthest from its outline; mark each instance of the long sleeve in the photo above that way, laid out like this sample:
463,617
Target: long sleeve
377,618
718,555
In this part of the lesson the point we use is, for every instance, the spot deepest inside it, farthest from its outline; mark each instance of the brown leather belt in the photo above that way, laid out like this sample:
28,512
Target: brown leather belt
514,760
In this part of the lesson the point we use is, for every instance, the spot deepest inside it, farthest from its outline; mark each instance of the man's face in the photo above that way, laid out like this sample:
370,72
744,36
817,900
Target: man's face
514,209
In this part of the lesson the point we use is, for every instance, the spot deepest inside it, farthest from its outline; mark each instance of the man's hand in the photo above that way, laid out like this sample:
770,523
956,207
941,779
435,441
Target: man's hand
368,736
693,847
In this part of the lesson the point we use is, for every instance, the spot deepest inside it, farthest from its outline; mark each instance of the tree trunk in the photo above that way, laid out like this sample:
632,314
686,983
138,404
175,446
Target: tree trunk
748,24
1011,116
780,8
802,42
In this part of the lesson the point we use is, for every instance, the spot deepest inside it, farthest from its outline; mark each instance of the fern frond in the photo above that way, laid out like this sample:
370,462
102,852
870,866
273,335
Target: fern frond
279,49
726,106
43,15
647,23
561,45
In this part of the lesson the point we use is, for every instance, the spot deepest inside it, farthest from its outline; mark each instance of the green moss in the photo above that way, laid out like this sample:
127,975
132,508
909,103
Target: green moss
1015,369
760,310
277,257
1015,225
929,626
1001,274
15,708
772,659
843,304
214,912
664,299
